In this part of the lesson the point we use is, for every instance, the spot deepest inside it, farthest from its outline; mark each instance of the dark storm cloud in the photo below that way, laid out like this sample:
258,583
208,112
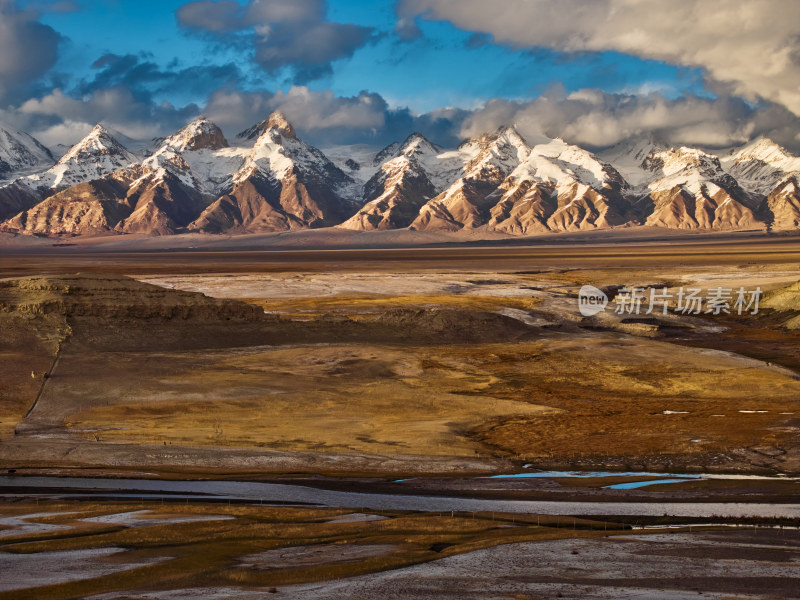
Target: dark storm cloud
281,33
28,49
145,78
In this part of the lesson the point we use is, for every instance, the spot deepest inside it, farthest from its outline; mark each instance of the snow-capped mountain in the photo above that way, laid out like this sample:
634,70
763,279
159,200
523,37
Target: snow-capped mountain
198,155
559,187
283,184
629,156
113,190
180,179
491,157
96,155
406,180
271,180
760,165
486,161
510,187
689,189
21,153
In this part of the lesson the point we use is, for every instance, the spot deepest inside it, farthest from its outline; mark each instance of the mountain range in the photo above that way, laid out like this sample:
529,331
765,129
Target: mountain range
269,180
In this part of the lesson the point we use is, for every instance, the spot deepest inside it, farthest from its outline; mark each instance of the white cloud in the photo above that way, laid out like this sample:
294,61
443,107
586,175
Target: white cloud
66,133
58,118
591,118
753,46
596,119
324,118
310,110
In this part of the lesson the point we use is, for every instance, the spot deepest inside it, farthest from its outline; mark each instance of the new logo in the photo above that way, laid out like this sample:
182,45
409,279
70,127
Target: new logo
591,300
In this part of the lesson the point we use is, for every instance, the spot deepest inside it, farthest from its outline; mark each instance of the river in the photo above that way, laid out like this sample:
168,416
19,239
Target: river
294,494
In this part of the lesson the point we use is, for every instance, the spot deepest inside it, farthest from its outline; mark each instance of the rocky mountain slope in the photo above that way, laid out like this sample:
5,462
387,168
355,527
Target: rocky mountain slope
170,188
783,205
560,187
486,162
271,180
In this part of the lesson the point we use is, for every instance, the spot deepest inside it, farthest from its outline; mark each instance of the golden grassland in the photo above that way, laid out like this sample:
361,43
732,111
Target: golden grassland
616,406
209,553
335,398
27,349
354,305
524,399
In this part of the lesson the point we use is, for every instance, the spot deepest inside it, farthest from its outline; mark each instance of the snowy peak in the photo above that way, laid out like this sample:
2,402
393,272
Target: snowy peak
494,156
690,190
279,155
487,161
276,122
95,156
761,165
560,164
402,185
559,187
634,150
417,146
688,168
767,151
628,156
97,144
415,154
388,153
283,184
682,160
509,135
200,134
505,138
197,155
268,155
20,152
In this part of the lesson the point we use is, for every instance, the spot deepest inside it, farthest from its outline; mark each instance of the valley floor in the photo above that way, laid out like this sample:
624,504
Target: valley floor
472,357
151,549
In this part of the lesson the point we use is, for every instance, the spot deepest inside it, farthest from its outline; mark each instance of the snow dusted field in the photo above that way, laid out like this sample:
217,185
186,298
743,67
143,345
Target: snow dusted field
20,572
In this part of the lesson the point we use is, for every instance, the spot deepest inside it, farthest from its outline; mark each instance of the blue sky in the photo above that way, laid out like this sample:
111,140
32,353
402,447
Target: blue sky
444,67
593,71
